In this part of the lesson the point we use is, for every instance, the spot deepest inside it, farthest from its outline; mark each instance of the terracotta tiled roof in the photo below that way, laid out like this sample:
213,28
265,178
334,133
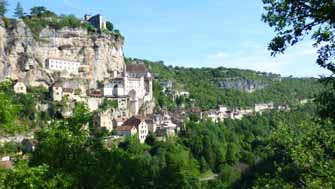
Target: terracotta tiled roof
136,68
96,94
120,119
125,128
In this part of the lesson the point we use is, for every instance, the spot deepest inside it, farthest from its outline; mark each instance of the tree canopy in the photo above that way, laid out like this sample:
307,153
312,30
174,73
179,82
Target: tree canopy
295,19
18,13
3,7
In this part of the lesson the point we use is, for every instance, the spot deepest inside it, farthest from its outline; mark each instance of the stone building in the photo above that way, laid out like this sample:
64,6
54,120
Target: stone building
20,87
97,21
135,83
104,120
119,121
57,64
126,130
140,125
57,92
263,107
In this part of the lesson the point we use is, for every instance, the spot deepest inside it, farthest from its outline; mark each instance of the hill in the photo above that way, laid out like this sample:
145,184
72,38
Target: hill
242,88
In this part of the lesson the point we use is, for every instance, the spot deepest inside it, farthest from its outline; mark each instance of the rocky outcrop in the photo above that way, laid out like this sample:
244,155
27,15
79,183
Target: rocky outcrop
23,57
241,84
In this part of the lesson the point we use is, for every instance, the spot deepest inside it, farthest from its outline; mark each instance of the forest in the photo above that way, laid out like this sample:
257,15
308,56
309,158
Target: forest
257,151
204,90
275,149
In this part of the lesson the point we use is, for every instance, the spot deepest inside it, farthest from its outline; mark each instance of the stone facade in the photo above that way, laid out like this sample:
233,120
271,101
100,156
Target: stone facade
57,93
97,21
23,57
140,125
104,120
20,87
54,64
135,83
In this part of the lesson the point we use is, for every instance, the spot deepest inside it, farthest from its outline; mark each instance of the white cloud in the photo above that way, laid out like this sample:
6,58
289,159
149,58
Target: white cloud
297,61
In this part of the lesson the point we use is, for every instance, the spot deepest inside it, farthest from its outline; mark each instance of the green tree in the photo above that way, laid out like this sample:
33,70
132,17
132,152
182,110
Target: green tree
294,19
41,11
8,112
3,7
23,176
303,156
18,13
109,26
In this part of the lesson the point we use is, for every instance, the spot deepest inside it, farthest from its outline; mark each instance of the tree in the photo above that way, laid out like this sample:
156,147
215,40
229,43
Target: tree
18,11
41,11
23,176
109,26
8,112
3,7
294,19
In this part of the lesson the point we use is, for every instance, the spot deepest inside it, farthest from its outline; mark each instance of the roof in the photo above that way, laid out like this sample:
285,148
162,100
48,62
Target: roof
57,85
68,90
195,110
125,128
62,59
133,121
136,68
120,119
150,121
6,164
95,93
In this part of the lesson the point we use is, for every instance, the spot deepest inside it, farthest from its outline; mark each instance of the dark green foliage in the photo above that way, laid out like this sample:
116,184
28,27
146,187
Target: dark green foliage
162,99
90,28
41,20
202,85
9,148
109,26
41,12
107,104
41,17
3,7
293,20
23,176
18,13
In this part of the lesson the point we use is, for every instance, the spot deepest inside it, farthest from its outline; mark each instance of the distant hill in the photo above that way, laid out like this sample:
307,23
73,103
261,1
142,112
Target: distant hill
210,87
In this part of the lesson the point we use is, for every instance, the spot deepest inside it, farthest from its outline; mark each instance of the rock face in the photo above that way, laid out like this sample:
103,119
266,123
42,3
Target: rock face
241,84
23,57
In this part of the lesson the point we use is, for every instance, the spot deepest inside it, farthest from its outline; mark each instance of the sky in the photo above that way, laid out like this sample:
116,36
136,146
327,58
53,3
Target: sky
195,33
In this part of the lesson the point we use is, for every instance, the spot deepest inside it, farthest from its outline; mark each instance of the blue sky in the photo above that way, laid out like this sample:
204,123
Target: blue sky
193,33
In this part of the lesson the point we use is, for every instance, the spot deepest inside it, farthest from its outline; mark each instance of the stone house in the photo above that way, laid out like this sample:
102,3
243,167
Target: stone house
118,121
57,92
6,162
69,92
140,125
20,87
126,130
103,120
95,98
97,21
152,126
263,106
57,64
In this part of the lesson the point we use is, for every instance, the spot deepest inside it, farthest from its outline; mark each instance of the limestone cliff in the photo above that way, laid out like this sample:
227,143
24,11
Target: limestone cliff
23,57
241,84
